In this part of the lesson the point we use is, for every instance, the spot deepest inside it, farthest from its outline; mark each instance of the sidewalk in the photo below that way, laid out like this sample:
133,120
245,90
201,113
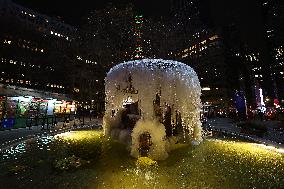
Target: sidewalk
228,126
9,137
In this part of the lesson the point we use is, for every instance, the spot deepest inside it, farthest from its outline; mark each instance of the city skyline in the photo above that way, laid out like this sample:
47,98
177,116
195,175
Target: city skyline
197,33
247,14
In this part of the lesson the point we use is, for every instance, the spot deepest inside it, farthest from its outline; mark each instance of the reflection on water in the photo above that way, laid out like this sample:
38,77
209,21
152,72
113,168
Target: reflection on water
43,141
12,152
214,163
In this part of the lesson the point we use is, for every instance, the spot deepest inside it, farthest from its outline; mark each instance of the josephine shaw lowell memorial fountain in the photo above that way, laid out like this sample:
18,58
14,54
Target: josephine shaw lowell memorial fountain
152,104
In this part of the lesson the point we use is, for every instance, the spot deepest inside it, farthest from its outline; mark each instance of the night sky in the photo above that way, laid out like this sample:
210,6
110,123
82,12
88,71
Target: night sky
214,13
72,11
246,14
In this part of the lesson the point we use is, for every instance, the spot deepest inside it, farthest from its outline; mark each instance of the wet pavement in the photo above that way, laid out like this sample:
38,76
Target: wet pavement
223,125
228,126
14,136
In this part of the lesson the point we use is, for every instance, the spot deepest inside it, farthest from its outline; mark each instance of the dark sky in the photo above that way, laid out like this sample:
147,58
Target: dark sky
214,13
71,11
246,14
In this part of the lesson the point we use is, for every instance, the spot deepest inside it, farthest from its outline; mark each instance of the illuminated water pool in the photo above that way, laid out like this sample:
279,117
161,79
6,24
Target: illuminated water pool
212,164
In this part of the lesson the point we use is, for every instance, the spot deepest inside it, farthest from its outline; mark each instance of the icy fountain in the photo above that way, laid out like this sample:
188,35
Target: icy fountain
152,103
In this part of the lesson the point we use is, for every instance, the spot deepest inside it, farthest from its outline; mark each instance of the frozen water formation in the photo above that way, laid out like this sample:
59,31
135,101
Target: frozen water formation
152,104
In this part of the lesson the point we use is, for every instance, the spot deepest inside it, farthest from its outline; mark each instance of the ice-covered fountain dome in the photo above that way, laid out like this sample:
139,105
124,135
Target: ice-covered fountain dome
150,103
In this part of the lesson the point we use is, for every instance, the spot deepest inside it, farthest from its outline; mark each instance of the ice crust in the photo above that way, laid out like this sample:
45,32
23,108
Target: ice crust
140,81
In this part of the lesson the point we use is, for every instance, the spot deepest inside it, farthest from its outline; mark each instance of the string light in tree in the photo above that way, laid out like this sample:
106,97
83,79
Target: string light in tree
138,36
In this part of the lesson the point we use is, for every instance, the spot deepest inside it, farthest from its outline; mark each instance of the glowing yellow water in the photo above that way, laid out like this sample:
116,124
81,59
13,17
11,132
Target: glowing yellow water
212,164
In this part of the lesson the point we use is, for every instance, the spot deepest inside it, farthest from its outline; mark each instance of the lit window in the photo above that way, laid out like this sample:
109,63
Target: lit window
213,37
206,89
